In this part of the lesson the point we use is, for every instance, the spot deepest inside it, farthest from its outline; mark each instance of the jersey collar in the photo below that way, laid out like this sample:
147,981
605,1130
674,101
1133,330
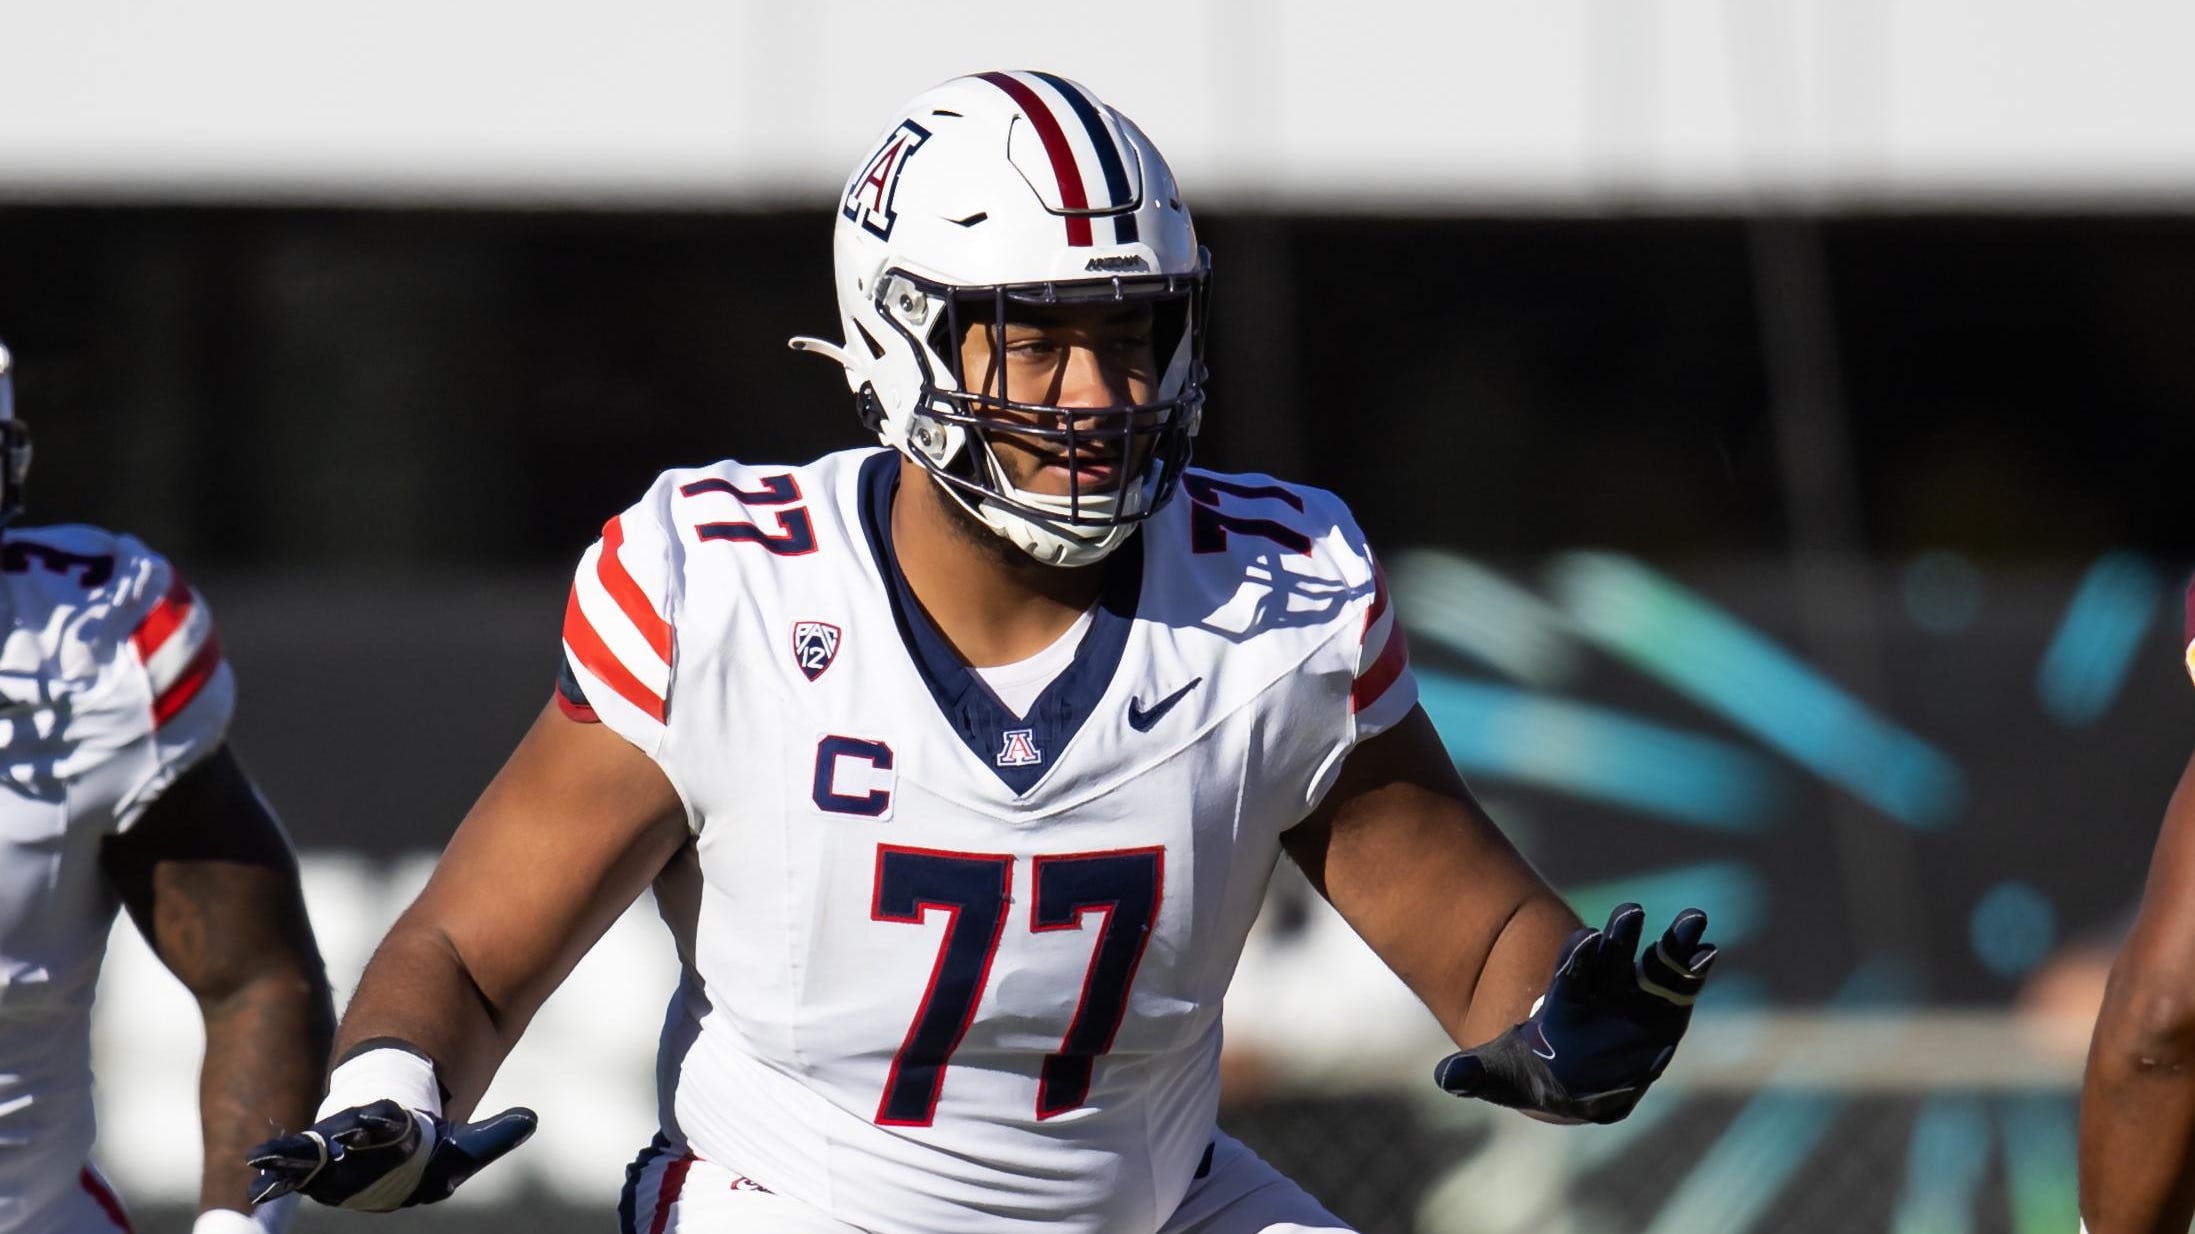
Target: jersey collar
1020,749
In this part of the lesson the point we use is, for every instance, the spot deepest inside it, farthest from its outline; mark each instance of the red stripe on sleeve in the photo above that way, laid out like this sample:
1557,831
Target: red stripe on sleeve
188,683
1071,193
595,656
164,617
1379,598
1373,682
631,601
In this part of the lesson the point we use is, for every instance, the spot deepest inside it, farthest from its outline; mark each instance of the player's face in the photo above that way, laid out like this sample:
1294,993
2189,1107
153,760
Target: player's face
1072,356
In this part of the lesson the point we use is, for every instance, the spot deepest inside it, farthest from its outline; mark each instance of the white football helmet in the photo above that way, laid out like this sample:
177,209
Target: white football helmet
14,444
999,190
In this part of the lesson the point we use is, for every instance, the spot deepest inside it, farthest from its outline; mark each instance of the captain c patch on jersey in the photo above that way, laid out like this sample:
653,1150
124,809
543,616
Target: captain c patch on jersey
815,645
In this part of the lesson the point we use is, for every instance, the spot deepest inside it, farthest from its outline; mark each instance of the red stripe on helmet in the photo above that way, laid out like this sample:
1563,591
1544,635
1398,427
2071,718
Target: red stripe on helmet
1072,196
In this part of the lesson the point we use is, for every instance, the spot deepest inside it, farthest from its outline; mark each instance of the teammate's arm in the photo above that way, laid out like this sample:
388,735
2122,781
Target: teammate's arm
209,878
1407,857
2138,1097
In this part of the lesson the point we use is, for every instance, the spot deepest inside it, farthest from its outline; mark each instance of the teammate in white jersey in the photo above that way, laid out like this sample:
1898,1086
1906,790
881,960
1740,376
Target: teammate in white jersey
960,767
120,789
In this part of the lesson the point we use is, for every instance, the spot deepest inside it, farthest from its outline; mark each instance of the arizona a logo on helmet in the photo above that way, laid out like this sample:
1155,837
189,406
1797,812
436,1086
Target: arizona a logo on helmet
869,197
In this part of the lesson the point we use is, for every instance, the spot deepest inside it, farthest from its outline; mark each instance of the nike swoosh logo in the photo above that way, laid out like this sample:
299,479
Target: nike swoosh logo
1141,720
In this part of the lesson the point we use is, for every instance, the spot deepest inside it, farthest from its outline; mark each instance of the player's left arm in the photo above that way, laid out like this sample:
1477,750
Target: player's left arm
209,878
1405,854
1407,857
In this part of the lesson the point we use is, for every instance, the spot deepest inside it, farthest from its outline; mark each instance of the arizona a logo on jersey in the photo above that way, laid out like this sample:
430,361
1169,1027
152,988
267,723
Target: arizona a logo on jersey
1019,748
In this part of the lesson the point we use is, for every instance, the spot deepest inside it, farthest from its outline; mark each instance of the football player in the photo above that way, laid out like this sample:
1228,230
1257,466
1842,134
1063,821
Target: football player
121,789
2138,1096
959,768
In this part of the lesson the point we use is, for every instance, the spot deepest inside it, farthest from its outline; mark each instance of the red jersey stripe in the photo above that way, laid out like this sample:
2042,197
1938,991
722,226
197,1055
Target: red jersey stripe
1072,195
106,1199
164,617
596,657
631,601
1373,682
674,1181
189,682
1379,598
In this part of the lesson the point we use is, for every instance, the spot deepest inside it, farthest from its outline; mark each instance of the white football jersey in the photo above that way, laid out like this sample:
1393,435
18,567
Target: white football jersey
948,967
111,685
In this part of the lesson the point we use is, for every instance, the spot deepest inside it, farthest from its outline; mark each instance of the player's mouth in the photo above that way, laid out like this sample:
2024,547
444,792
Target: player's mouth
1084,473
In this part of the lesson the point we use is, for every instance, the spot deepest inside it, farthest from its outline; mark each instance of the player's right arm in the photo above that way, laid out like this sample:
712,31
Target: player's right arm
566,836
2137,1163
578,821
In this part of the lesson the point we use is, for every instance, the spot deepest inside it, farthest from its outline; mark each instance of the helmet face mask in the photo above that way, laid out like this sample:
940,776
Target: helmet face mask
992,201
965,418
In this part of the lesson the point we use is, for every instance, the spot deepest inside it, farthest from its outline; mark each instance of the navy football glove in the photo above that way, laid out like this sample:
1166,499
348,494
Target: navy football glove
1604,1030
381,1157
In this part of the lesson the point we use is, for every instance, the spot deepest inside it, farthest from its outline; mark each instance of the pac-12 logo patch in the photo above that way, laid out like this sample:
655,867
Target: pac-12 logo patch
1020,749
815,645
869,198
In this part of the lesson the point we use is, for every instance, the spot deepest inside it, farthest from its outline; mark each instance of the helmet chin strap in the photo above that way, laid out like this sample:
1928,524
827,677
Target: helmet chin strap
1049,543
1053,542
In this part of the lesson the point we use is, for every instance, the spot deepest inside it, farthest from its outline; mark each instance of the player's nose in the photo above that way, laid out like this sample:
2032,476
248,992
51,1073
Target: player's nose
1091,379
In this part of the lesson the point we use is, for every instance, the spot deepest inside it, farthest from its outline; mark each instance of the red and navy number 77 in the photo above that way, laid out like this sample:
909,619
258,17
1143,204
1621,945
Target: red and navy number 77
1123,887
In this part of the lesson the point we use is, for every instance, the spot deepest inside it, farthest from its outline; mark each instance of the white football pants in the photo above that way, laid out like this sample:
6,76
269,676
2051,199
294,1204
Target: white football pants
671,1192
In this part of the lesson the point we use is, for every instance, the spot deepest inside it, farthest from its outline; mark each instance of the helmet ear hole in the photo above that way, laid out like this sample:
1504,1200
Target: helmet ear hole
868,407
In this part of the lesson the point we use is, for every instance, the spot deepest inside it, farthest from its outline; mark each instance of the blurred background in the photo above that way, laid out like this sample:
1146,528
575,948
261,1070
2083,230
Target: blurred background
1775,414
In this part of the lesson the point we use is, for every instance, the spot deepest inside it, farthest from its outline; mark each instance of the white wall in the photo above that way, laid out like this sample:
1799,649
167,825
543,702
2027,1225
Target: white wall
1380,104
